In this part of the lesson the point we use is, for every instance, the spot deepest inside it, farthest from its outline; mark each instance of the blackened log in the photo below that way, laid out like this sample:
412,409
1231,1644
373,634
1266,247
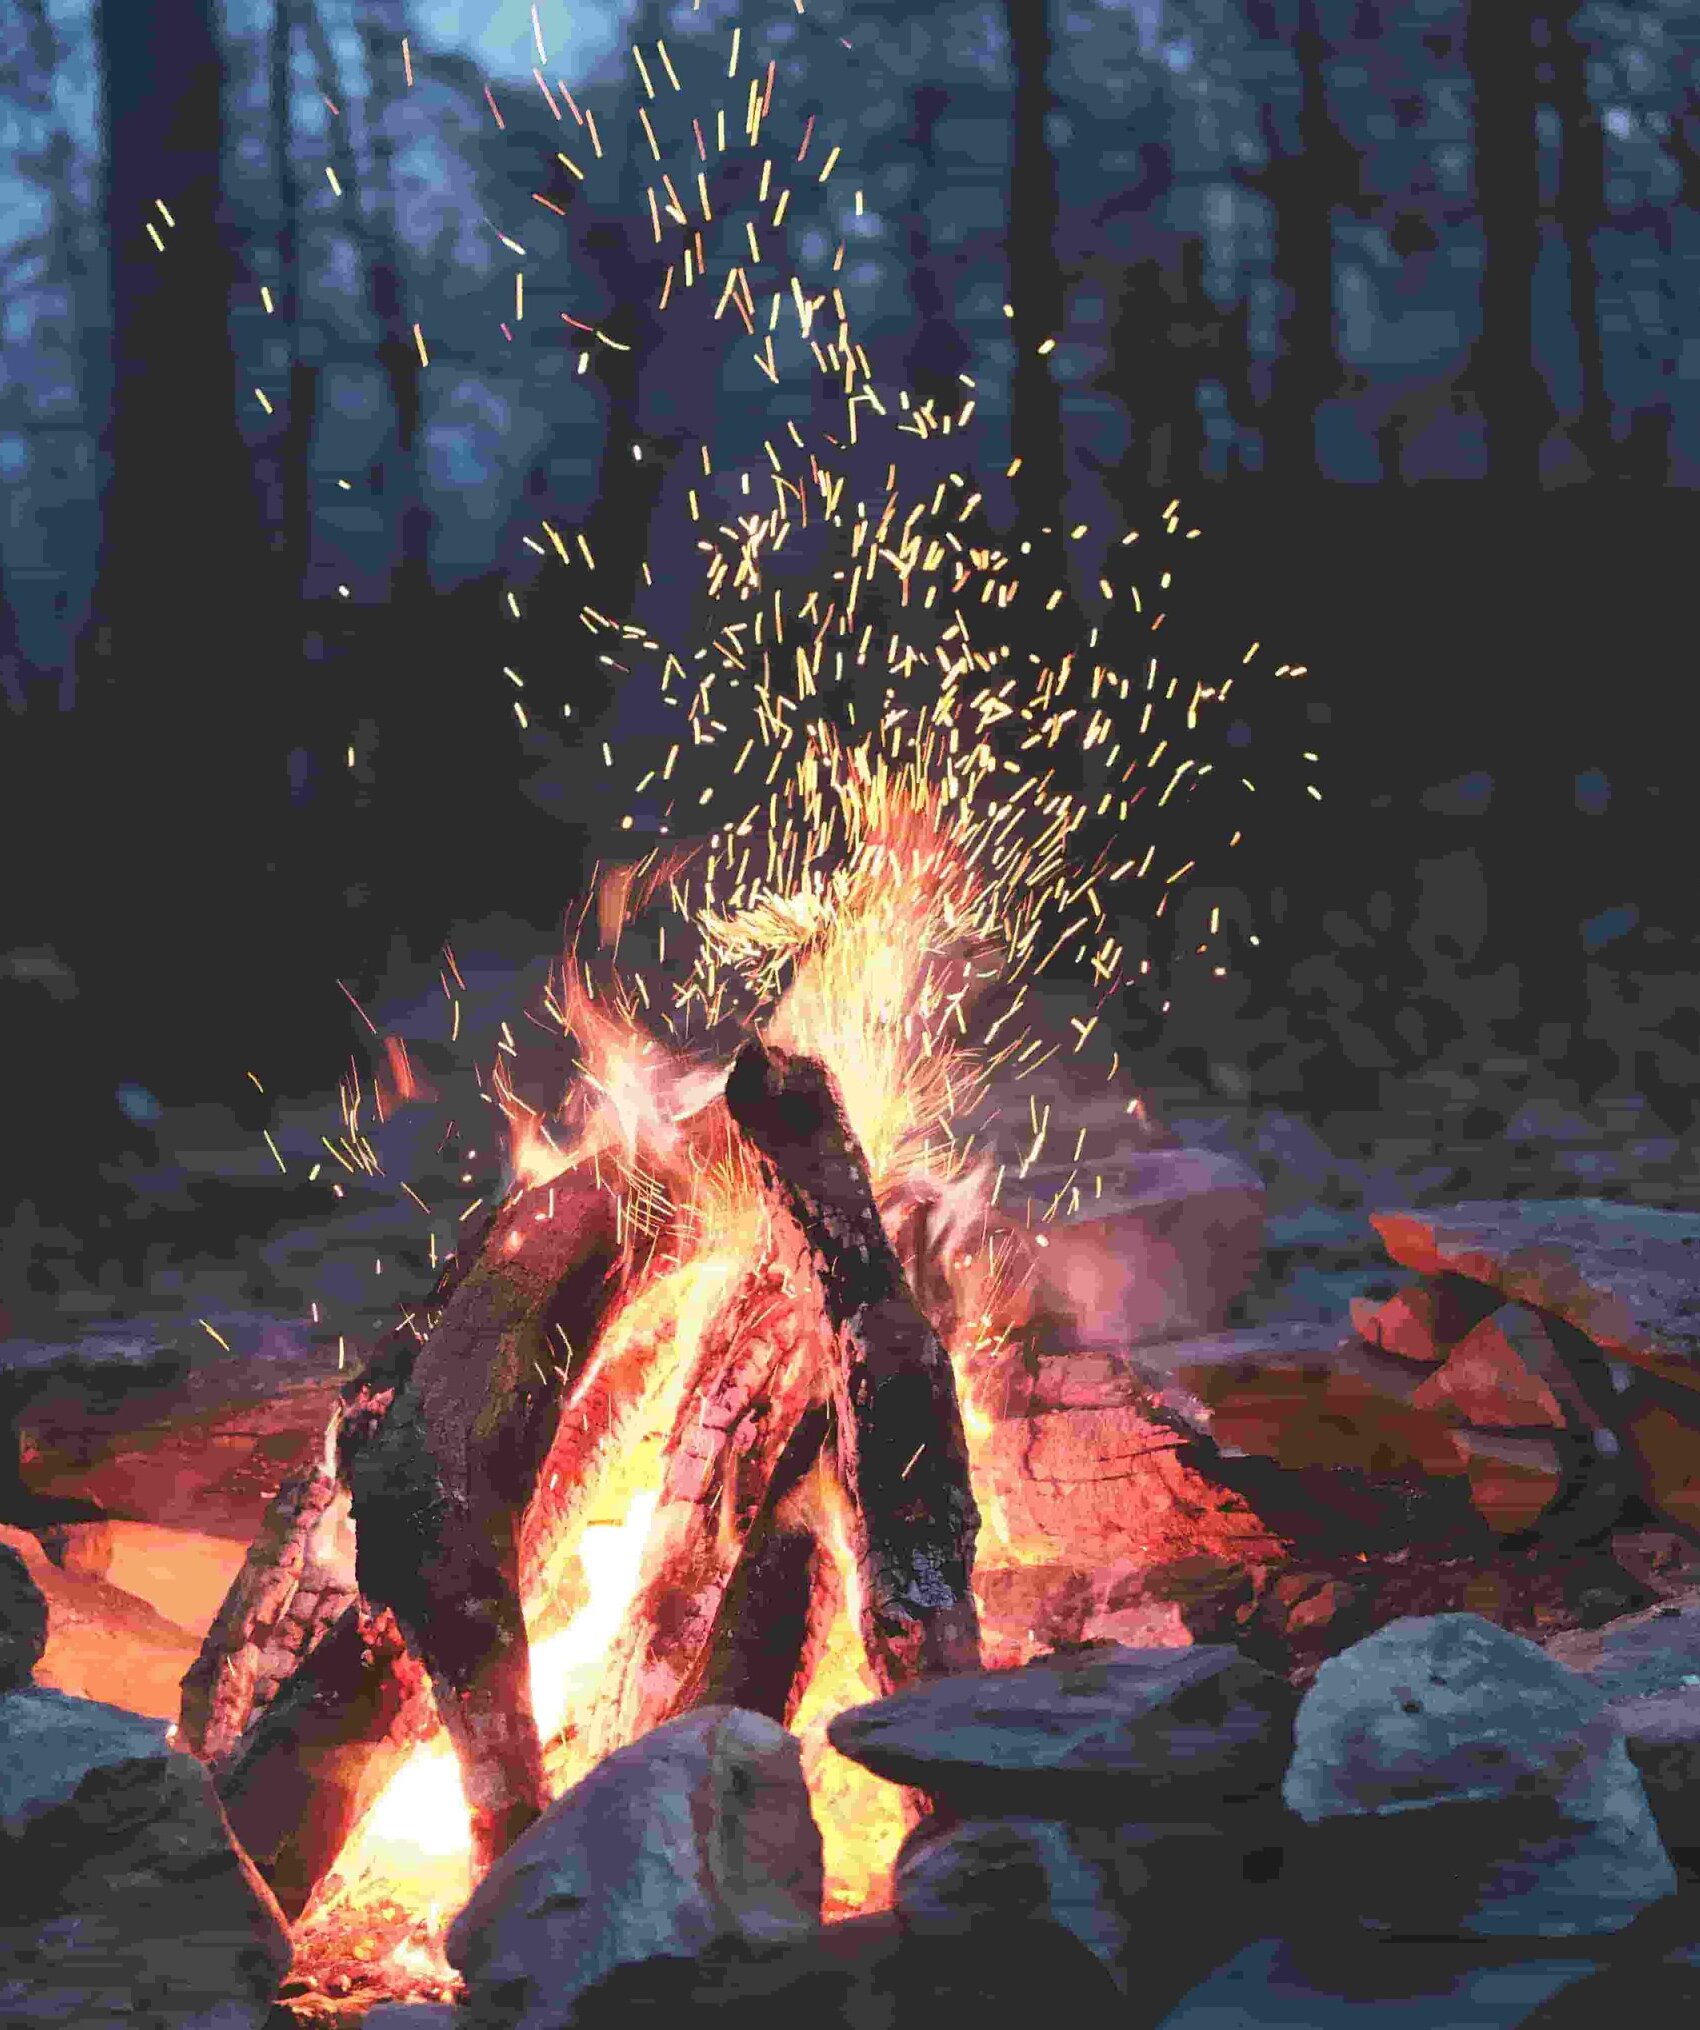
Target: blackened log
784,1594
442,1477
299,1576
296,1580
606,1382
902,1456
316,1760
751,1382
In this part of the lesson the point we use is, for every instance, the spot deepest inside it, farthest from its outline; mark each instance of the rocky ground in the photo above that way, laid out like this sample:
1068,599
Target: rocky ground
217,1242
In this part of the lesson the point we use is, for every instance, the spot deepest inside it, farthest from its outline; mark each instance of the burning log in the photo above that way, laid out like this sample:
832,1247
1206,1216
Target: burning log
787,1590
901,1453
442,1471
297,1579
754,1376
318,1756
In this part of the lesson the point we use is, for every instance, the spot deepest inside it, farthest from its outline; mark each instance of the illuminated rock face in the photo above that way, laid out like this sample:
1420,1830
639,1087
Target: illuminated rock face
699,1833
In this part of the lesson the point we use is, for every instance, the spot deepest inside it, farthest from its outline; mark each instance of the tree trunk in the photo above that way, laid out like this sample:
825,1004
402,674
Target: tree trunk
1037,297
442,1482
902,1457
1499,49
1304,185
1581,213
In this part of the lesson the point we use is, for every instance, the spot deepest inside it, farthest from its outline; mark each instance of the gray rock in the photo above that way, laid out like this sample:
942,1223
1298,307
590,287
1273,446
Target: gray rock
413,2016
699,1832
1130,1894
127,1900
1435,1714
1265,1987
1100,1734
1014,1869
23,1621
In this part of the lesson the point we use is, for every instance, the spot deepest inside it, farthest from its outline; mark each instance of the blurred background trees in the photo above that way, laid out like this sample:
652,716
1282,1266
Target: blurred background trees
1396,299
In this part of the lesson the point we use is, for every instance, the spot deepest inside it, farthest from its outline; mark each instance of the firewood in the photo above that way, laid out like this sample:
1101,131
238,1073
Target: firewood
442,1476
752,1380
297,1579
314,1761
785,1593
901,1453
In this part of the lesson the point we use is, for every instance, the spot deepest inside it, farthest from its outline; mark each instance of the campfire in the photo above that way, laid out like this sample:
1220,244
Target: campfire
706,1411
721,1403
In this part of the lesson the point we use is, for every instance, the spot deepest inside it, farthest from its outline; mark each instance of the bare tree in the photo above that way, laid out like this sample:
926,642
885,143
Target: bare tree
1036,287
1305,179
1507,384
1581,213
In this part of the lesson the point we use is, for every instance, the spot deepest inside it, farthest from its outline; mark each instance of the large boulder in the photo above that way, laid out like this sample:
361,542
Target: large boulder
1101,1734
1462,1783
127,1901
867,1973
697,1833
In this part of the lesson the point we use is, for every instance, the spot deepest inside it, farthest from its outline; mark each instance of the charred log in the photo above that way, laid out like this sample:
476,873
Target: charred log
901,1453
317,1758
751,1384
783,1597
442,1475
297,1580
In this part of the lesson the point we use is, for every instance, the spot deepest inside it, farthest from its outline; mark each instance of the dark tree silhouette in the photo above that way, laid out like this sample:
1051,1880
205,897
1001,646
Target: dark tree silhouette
938,353
1516,407
1036,289
1304,181
1581,213
182,539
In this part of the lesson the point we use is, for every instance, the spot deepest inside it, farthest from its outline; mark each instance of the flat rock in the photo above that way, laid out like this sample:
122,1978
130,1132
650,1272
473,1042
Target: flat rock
102,1642
1182,1245
127,1900
205,1455
1546,1829
1627,1276
699,1832
1085,1734
1305,1397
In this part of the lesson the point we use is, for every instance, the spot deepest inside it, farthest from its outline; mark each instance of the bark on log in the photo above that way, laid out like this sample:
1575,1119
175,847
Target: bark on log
901,1452
443,1472
312,1764
296,1581
754,1375
774,1619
